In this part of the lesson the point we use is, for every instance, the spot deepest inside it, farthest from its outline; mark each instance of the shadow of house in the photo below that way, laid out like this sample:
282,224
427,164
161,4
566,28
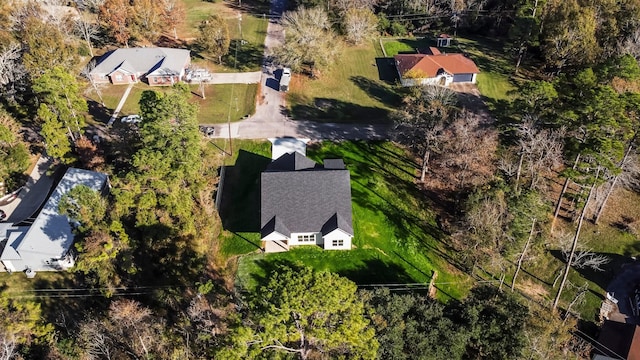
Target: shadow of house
382,93
387,71
240,203
601,278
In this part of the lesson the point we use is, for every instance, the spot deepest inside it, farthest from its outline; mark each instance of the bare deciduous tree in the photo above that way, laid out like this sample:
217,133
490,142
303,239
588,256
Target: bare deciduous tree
421,121
310,41
539,150
88,31
7,346
11,69
582,257
359,25
468,151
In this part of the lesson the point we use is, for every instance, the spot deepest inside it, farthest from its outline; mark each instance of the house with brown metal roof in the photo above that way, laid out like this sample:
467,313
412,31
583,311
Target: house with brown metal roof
435,68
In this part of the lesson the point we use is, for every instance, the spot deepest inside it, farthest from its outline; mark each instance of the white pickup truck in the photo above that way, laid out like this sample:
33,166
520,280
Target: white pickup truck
285,79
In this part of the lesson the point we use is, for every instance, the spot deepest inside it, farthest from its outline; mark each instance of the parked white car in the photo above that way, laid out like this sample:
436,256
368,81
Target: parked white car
285,79
131,119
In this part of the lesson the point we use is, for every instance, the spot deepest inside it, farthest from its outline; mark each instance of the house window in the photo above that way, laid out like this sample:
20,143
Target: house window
337,243
307,238
118,77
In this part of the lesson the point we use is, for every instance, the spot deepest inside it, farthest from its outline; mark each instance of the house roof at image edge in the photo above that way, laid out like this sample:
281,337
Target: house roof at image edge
431,64
51,234
299,195
161,61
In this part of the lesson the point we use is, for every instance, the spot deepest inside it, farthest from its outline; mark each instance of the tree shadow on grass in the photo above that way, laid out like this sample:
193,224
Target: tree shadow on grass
377,271
248,56
370,271
333,110
383,93
99,112
240,204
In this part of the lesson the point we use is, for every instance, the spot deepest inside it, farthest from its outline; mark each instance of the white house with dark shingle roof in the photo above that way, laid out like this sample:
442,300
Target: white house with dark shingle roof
305,203
47,245
157,66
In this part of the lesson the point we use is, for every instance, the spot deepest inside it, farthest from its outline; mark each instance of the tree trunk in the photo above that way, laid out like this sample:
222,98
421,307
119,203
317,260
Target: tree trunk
574,245
564,189
425,165
613,185
524,251
521,53
519,172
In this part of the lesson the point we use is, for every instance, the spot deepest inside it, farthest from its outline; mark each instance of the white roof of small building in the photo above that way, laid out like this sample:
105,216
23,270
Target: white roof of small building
150,61
287,145
50,236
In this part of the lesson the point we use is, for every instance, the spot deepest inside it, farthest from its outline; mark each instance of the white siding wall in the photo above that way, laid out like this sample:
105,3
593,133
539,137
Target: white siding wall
275,236
9,265
337,235
294,239
427,81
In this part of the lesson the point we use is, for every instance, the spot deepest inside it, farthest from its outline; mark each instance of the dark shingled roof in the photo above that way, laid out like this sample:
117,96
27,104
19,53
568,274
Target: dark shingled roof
292,161
299,195
619,339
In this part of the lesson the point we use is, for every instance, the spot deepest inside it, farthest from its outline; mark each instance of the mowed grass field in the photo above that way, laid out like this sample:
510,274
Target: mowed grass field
247,33
221,102
396,239
351,90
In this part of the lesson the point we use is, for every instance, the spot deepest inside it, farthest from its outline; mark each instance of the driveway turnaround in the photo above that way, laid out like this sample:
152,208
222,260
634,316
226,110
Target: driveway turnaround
236,78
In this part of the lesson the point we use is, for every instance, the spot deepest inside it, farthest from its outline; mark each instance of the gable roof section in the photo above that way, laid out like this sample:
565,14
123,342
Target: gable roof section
274,225
154,61
432,64
51,235
292,162
308,199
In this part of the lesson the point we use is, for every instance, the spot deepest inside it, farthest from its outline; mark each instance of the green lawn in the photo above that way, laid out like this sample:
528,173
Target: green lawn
219,102
405,46
396,237
496,67
349,91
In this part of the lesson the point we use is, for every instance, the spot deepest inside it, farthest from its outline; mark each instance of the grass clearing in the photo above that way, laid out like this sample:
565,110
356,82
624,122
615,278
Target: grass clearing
396,236
350,91
214,109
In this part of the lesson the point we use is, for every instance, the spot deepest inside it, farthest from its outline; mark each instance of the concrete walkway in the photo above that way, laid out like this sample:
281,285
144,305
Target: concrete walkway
236,78
116,112
32,195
